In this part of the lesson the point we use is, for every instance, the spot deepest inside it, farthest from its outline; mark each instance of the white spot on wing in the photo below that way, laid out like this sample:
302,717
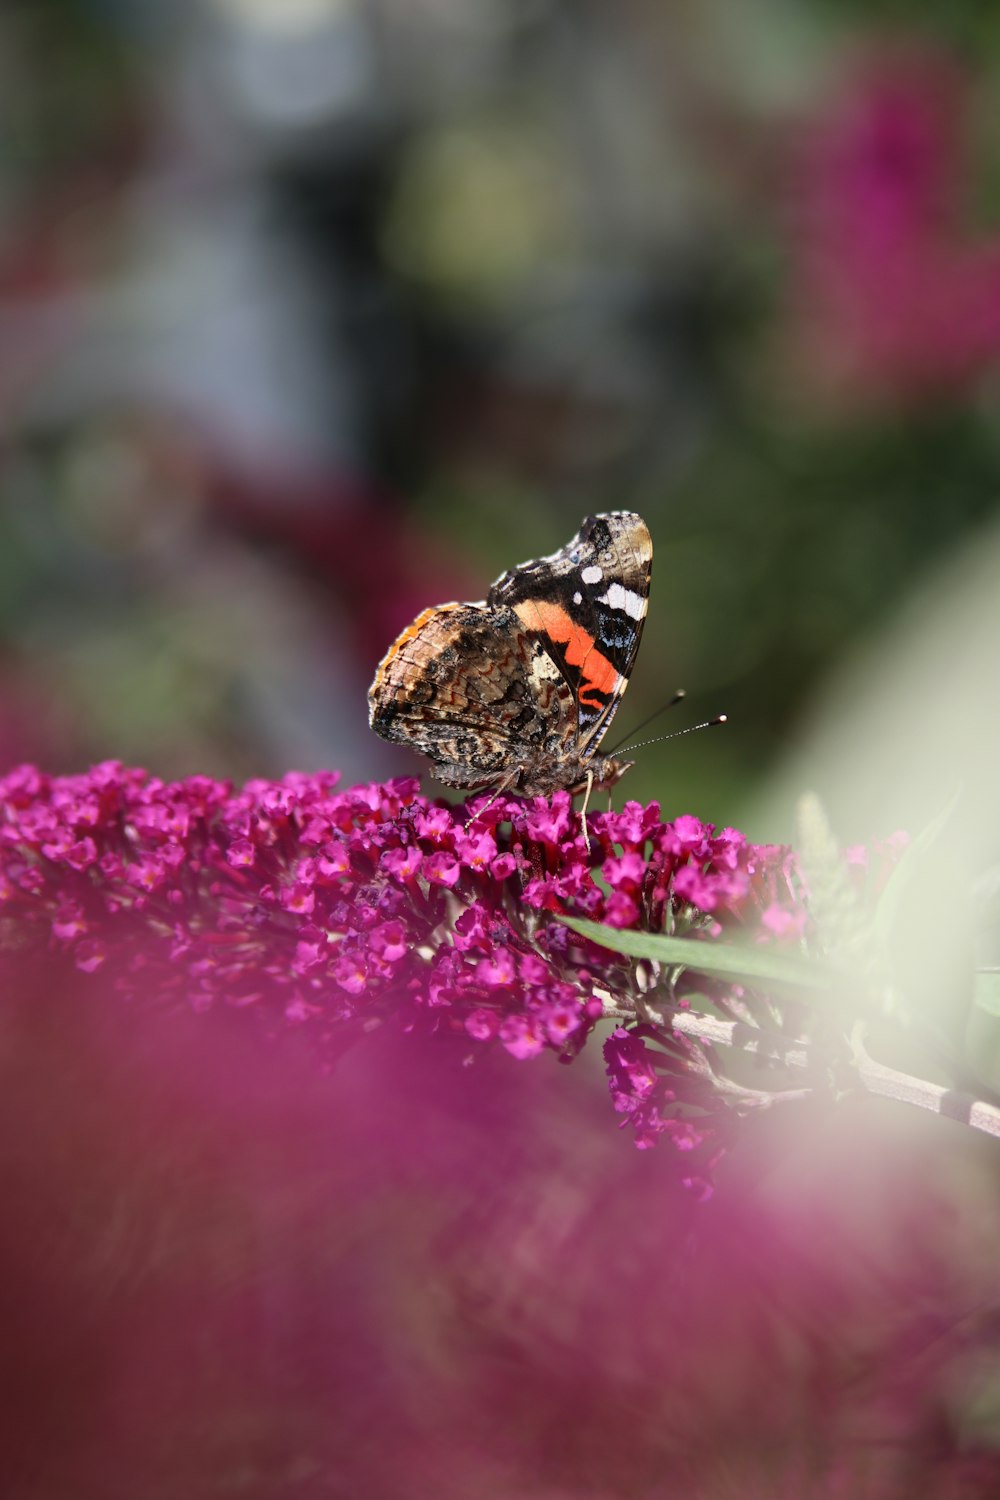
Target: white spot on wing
578,597
592,575
627,600
542,669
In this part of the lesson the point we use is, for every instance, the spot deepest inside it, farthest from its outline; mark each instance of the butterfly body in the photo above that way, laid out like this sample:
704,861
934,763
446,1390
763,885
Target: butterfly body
518,690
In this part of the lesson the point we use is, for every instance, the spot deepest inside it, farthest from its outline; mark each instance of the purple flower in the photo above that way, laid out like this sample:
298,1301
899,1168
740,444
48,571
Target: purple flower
314,907
660,1087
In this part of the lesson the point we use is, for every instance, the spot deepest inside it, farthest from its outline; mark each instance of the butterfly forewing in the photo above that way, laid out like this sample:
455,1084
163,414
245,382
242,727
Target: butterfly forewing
586,605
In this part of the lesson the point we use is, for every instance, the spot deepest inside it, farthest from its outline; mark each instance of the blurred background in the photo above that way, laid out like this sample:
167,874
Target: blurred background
314,313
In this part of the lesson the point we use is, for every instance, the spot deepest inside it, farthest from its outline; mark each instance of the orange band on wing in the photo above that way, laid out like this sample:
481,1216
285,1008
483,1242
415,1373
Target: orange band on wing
581,650
411,631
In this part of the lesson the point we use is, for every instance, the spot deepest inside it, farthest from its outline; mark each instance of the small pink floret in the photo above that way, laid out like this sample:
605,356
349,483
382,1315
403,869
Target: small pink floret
442,868
521,1037
784,924
241,854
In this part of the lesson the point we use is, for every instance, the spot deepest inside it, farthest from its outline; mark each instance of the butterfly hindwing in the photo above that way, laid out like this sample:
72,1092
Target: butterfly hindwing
467,686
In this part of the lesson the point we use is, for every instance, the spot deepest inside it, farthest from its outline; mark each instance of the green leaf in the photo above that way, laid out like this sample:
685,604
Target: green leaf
841,925
986,994
910,863
758,966
927,957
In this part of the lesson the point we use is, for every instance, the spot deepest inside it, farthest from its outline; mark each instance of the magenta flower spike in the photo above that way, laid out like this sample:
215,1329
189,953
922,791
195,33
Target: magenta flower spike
335,910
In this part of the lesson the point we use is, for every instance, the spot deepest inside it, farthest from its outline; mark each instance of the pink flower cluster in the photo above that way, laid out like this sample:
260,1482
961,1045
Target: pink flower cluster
317,906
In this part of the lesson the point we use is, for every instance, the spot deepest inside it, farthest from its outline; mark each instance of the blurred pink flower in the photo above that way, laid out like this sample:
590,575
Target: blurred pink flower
895,296
219,1274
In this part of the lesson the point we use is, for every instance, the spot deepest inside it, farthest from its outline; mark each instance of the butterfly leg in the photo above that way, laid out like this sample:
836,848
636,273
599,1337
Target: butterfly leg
504,786
583,810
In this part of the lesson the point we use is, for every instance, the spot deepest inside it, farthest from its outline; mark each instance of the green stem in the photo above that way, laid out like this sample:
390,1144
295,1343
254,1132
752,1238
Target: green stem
875,1077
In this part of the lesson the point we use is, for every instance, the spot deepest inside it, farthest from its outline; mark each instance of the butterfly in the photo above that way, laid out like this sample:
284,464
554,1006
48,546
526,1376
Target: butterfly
516,692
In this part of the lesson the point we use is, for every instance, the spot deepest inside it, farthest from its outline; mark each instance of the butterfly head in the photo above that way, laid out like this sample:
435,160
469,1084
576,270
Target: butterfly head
607,771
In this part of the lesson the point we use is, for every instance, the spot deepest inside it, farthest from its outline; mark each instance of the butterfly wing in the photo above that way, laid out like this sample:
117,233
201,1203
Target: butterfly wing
468,687
585,606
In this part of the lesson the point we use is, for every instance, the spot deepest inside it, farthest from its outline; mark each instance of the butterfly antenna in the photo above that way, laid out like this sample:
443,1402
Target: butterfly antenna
706,724
678,697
